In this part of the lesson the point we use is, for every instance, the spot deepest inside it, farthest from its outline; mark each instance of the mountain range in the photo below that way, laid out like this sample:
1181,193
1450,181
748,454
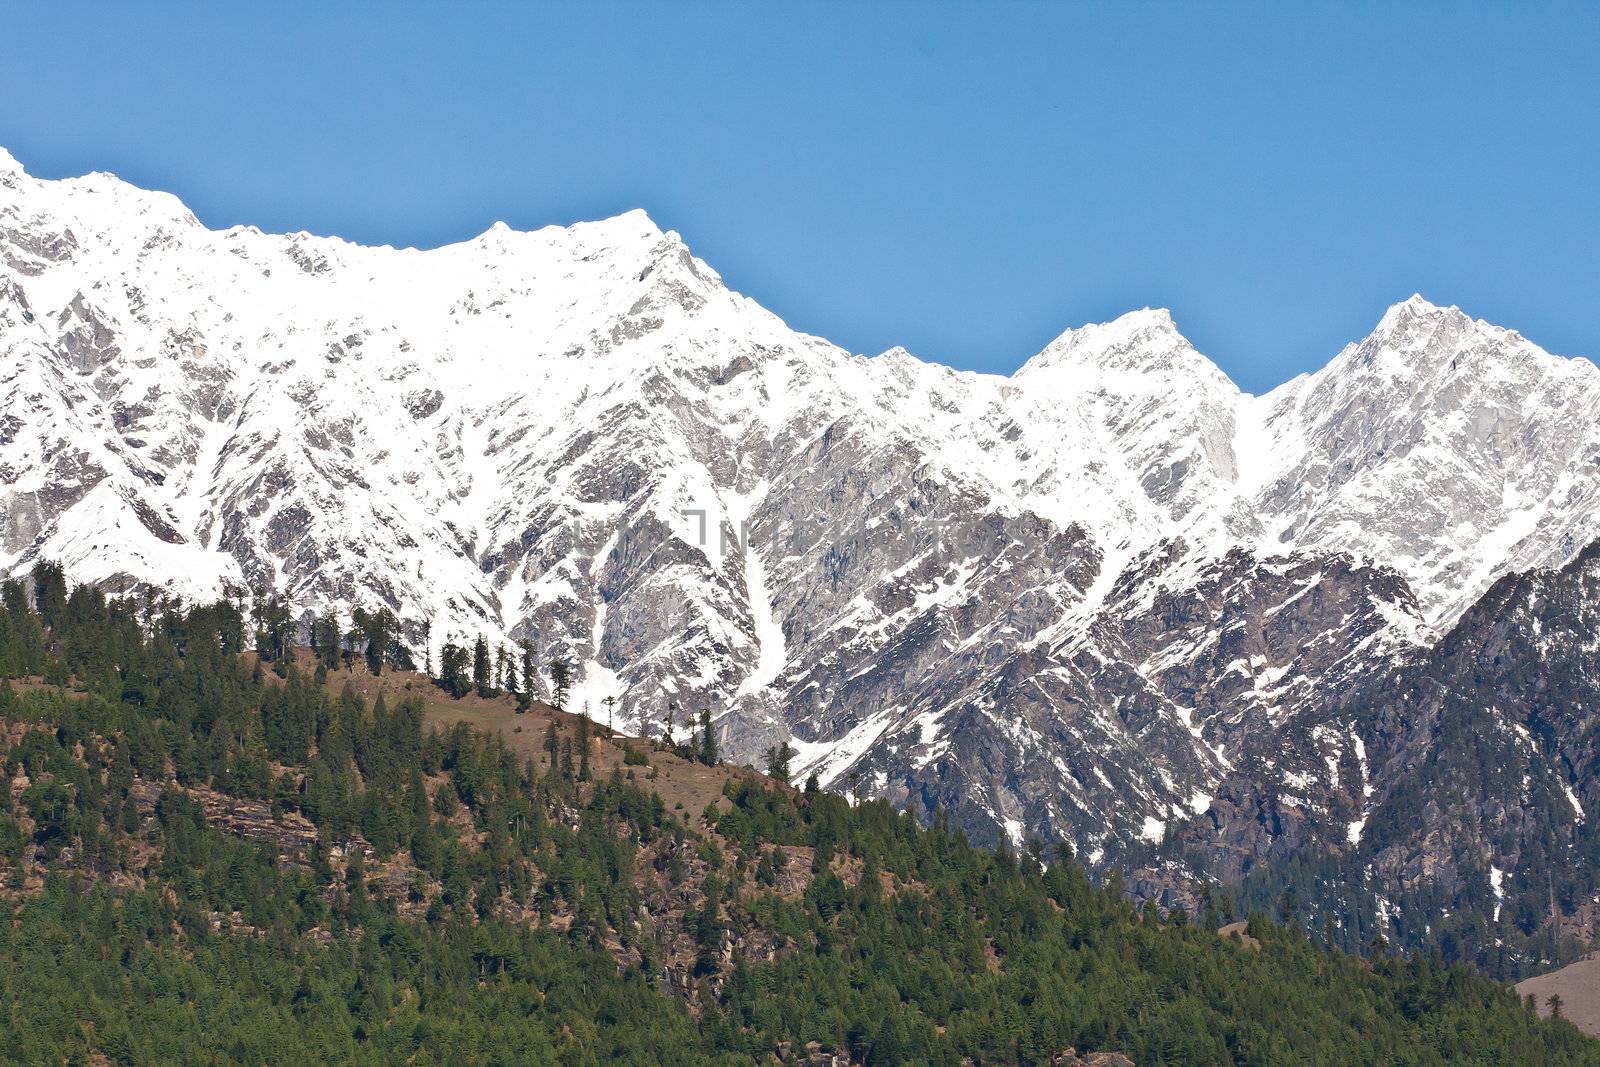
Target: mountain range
1110,601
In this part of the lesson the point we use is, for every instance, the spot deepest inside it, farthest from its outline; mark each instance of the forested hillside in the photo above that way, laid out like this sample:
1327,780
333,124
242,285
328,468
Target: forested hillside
211,854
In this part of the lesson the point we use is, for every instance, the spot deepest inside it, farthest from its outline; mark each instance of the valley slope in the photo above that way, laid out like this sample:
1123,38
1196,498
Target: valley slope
1110,600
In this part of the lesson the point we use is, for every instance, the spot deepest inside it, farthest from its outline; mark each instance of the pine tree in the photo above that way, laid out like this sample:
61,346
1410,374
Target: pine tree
530,669
50,592
376,631
453,662
708,739
858,786
482,679
560,682
779,757
273,628
325,639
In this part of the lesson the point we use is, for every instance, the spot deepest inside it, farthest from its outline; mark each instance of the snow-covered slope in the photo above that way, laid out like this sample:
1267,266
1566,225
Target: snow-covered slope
1061,603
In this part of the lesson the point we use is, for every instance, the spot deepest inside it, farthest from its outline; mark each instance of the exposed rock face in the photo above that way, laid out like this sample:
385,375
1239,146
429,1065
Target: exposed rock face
1447,795
1109,601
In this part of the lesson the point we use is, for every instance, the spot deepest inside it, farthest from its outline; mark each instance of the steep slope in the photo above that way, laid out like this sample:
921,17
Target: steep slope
1450,802
1450,449
1070,603
325,879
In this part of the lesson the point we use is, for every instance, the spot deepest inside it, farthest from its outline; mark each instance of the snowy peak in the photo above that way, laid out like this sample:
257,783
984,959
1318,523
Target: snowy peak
580,436
1125,414
632,230
1146,341
634,223
1416,338
1444,446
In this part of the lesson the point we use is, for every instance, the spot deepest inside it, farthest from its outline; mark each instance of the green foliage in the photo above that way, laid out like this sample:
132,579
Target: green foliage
274,628
560,682
973,954
454,661
779,757
482,671
896,944
708,739
86,971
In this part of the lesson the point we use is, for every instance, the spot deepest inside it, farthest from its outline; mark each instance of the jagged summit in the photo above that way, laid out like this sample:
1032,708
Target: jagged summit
1133,331
1414,315
1145,343
1419,345
633,226
941,581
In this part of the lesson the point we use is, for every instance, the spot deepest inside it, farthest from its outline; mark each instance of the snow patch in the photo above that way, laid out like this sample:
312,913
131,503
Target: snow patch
1572,798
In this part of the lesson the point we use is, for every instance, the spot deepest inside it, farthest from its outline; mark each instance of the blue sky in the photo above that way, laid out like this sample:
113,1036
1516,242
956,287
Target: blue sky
963,179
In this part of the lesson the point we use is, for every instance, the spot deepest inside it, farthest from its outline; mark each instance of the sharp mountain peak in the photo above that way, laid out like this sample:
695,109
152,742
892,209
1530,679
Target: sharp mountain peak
511,436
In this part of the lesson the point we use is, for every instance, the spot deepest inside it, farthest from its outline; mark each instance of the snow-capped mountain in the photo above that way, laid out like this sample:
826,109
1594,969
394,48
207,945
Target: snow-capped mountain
1075,602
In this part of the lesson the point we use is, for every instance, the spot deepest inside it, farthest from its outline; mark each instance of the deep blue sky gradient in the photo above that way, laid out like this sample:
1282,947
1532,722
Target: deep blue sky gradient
963,179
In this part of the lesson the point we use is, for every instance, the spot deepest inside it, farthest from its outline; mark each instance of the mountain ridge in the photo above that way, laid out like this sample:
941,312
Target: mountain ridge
997,595
9,164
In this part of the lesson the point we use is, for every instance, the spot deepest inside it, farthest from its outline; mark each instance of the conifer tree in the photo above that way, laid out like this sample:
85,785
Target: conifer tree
49,592
511,684
858,789
325,639
453,663
560,682
347,647
708,739
779,757
530,669
273,628
482,679
377,631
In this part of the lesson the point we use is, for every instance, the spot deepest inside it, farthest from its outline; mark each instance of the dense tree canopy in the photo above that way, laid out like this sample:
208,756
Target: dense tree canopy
410,894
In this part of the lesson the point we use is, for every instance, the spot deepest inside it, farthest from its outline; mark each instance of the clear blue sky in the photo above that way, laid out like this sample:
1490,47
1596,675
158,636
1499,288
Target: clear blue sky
963,179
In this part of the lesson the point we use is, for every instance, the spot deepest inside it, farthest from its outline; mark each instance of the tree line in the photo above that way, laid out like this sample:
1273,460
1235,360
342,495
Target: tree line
542,899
